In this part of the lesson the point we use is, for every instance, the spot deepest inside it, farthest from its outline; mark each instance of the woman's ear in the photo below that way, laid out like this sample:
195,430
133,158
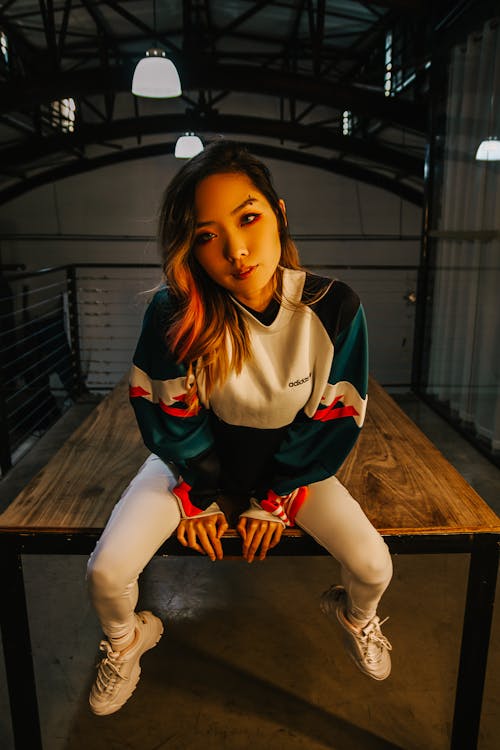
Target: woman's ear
283,209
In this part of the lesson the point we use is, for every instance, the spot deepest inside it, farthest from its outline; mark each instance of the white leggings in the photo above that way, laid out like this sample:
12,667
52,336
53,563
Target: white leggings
147,514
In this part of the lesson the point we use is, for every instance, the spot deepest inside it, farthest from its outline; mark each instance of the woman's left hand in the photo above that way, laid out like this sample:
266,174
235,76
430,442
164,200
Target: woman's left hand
255,534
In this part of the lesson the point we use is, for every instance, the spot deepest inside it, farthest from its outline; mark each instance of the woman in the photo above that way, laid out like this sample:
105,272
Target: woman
249,377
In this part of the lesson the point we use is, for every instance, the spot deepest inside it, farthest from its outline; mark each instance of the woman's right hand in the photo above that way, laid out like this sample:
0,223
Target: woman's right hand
203,533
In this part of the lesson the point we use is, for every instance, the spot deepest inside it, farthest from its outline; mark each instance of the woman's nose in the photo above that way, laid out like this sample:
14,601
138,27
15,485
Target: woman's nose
235,246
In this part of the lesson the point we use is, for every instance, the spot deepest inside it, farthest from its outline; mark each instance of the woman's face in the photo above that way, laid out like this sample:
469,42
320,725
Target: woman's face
237,239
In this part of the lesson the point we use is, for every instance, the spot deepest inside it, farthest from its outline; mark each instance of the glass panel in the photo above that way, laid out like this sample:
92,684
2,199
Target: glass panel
464,325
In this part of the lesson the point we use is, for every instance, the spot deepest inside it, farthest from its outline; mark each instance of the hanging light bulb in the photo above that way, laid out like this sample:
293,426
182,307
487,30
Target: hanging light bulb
188,145
489,150
156,76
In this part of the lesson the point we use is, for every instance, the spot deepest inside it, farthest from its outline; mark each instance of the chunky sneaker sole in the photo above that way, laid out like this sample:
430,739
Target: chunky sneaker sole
118,672
368,647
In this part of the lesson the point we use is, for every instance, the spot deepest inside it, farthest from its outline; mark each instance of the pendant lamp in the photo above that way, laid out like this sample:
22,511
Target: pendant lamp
188,145
489,150
156,76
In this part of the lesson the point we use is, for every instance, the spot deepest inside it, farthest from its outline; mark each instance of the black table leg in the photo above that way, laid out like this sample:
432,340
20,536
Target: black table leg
475,641
17,652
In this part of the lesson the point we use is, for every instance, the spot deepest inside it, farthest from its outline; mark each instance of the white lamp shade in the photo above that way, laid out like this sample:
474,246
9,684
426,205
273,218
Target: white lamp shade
187,146
489,150
156,76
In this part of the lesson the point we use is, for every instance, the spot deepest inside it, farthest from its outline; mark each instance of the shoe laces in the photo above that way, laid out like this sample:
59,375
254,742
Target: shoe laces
108,670
373,641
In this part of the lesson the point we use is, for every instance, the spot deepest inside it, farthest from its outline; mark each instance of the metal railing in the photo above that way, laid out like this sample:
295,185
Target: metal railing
70,330
39,362
64,331
111,304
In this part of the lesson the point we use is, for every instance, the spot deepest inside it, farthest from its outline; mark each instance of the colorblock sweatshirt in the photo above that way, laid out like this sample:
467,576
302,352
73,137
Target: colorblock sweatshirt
288,419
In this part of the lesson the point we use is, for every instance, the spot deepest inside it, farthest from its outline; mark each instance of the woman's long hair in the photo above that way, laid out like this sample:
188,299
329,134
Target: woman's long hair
207,327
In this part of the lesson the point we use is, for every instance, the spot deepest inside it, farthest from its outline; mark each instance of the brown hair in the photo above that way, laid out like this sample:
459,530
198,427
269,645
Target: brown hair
206,318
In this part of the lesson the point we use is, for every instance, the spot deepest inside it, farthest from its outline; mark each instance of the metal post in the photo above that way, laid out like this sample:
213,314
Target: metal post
475,641
5,447
74,330
7,339
17,652
424,292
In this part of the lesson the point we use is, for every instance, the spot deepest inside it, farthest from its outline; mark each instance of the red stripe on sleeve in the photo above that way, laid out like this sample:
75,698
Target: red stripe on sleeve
135,391
330,412
175,411
182,492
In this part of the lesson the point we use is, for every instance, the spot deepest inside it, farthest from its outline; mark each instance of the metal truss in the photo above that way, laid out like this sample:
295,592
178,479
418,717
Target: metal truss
283,71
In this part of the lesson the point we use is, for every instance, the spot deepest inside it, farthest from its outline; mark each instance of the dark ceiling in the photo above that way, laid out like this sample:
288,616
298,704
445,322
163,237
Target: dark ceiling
277,74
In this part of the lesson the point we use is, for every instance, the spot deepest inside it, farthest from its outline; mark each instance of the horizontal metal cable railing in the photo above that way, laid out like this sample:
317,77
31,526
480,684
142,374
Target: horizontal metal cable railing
63,331
73,329
111,304
39,375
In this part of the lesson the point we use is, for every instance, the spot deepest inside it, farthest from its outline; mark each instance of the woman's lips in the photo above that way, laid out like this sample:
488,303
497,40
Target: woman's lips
244,273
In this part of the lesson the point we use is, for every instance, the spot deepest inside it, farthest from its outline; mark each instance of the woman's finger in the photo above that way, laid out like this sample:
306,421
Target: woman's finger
254,541
242,527
266,540
221,524
277,532
250,529
213,537
181,534
201,531
191,535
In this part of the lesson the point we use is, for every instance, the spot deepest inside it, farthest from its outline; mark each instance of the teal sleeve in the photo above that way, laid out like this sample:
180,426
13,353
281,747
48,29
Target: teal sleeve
315,448
167,430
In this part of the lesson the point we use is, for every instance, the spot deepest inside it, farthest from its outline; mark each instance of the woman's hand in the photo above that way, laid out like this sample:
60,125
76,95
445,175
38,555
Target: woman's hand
255,533
203,533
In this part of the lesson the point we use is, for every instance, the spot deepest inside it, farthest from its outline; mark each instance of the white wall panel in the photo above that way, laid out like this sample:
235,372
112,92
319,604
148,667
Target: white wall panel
121,203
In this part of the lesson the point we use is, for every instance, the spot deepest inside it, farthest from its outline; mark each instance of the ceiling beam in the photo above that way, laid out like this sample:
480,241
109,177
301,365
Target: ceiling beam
255,8
415,7
63,31
17,95
152,33
47,13
335,166
33,149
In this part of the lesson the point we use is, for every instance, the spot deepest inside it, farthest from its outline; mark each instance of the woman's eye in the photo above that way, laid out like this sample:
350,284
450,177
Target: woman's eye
249,218
202,239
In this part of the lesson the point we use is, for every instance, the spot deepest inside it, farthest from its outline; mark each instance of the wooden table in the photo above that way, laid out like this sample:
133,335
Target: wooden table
412,495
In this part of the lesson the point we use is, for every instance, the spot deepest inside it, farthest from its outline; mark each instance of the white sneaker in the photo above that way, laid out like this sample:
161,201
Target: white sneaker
119,671
367,647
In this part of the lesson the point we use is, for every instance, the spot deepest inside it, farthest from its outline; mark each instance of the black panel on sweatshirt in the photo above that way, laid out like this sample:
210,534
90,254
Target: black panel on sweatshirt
337,308
267,316
246,455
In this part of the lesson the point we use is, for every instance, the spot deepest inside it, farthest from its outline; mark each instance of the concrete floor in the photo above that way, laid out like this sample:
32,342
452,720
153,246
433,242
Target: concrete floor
247,660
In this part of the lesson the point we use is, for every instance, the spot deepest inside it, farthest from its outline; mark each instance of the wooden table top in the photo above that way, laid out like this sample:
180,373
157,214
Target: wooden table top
404,484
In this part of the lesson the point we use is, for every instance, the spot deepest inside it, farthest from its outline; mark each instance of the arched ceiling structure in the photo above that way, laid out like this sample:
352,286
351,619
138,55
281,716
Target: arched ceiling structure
338,84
